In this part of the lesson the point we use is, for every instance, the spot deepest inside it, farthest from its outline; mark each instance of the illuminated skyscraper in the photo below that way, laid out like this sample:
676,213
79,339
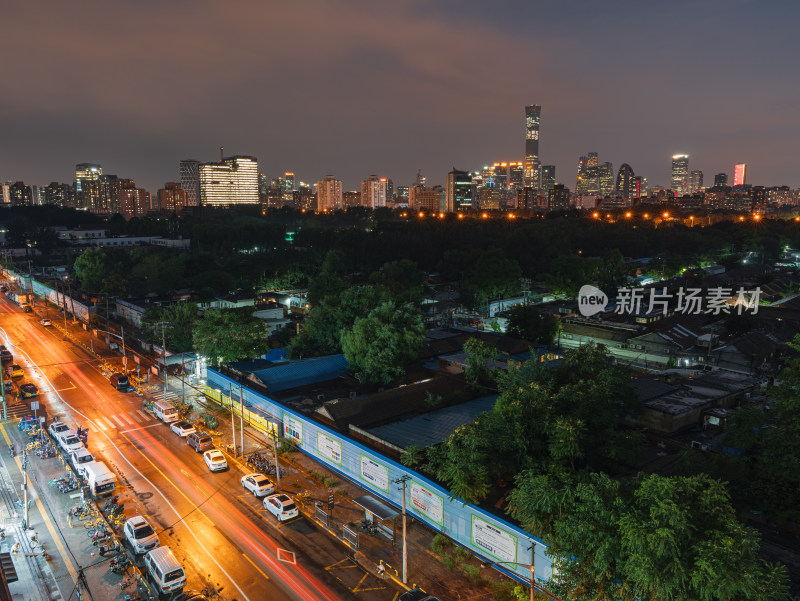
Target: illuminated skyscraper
458,191
740,174
232,182
532,117
190,181
286,184
695,181
516,175
87,195
680,174
605,178
625,183
548,177
329,194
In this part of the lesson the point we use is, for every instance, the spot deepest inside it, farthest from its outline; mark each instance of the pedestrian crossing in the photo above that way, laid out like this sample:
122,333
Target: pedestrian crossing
172,396
125,420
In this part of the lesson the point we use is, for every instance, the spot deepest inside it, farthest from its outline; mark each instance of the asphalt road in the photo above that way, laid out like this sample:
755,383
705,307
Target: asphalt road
218,531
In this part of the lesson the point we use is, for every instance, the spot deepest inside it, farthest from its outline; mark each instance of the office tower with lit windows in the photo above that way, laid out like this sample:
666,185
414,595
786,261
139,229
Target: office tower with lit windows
516,175
230,183
533,115
639,186
190,181
680,174
624,183
374,192
558,198
86,194
458,191
740,174
329,194
548,177
695,181
500,175
589,174
286,184
605,178
721,179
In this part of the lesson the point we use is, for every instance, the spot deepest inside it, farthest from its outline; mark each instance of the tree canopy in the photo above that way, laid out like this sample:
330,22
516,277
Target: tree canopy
225,335
178,320
380,345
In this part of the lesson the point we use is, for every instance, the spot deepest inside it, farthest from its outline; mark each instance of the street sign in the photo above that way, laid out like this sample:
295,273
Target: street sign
330,500
125,361
34,405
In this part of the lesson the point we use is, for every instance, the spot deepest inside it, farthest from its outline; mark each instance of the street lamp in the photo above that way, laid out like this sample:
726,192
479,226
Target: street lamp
526,565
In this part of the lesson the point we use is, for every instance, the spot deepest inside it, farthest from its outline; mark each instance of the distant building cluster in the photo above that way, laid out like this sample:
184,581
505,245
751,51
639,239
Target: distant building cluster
524,184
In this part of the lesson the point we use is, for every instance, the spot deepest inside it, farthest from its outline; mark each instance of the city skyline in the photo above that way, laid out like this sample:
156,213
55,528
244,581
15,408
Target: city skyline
406,87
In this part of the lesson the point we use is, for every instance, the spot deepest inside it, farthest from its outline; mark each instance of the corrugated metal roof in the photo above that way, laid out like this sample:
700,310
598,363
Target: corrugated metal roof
301,373
434,427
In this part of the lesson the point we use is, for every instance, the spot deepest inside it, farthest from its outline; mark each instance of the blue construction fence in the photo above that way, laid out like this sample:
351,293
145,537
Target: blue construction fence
474,528
58,298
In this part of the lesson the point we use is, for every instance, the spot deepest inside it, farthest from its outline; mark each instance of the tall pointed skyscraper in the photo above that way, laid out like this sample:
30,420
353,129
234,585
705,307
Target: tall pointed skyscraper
532,166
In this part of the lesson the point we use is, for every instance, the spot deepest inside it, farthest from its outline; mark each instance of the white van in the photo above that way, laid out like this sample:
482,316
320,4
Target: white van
165,412
164,570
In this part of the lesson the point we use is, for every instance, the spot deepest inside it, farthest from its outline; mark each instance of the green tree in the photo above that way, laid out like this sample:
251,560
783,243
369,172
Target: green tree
479,355
525,321
103,271
178,320
493,276
225,335
381,344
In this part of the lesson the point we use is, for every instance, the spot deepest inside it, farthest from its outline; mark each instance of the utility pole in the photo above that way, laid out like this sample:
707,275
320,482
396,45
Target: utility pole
124,356
233,419
3,389
402,481
25,485
241,415
275,452
164,358
533,563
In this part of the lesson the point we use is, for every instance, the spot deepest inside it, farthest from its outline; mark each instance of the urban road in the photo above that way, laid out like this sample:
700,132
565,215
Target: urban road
218,531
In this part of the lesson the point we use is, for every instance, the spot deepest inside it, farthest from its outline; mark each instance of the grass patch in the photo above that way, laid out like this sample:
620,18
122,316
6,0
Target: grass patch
285,448
440,544
474,574
462,553
505,590
324,479
448,561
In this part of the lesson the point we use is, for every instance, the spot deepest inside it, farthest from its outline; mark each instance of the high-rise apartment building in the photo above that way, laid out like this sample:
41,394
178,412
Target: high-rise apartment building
458,191
58,194
190,181
548,177
533,115
133,201
351,198
721,179
680,174
172,197
624,183
740,174
329,194
232,182
374,192
695,181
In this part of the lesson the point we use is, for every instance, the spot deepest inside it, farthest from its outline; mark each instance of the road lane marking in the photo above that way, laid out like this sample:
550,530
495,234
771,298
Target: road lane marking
143,414
73,387
139,428
101,425
127,418
260,571
136,418
121,423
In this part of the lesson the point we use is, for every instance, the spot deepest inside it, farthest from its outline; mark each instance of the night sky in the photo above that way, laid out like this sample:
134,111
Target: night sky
355,88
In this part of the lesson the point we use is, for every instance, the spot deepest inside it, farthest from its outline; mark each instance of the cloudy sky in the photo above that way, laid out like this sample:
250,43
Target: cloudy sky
360,87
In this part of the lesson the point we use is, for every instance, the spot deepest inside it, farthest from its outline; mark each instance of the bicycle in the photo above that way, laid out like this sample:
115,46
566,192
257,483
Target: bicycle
96,523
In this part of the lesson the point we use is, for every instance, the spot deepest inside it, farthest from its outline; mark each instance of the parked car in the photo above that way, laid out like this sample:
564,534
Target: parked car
57,428
27,391
182,428
46,322
258,484
26,308
200,441
281,506
140,535
14,371
215,460
6,357
69,441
